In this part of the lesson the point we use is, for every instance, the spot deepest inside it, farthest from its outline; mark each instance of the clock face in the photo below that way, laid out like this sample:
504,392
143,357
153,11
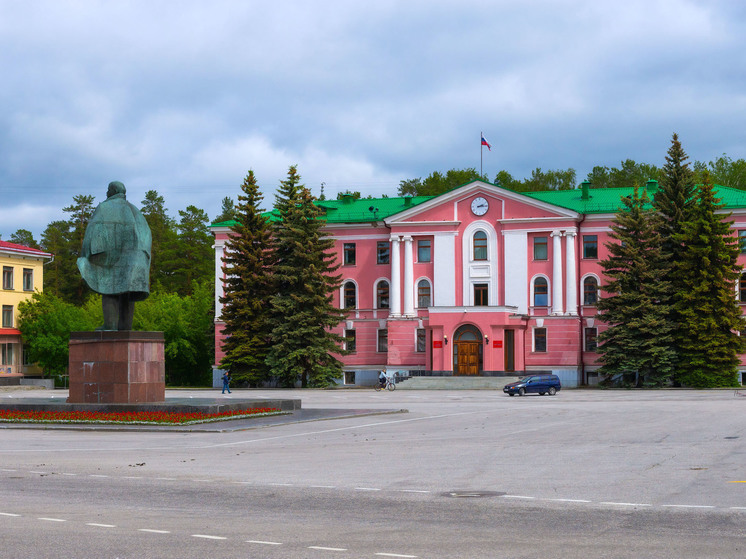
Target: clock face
479,206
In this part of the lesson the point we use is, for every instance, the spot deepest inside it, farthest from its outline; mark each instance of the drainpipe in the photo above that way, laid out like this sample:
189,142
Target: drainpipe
578,240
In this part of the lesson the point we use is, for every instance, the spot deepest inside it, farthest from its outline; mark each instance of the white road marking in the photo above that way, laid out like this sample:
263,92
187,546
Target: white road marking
203,480
412,490
7,470
66,474
166,478
625,504
52,519
149,530
367,489
97,475
282,484
206,537
35,472
517,497
569,500
394,555
100,525
322,486
9,514
260,542
327,548
690,506
738,508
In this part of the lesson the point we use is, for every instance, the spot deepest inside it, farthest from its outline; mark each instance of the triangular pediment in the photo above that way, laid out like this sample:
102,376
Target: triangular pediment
502,203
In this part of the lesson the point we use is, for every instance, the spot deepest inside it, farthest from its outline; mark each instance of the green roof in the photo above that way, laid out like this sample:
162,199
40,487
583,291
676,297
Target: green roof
608,200
600,200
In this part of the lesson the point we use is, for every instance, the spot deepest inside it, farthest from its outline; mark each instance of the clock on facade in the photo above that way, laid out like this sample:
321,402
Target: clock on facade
479,206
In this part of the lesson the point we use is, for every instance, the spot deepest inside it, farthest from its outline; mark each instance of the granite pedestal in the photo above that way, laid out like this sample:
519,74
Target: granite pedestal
117,367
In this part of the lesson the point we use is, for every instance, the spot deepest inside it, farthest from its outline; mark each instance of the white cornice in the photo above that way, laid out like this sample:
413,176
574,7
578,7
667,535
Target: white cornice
472,310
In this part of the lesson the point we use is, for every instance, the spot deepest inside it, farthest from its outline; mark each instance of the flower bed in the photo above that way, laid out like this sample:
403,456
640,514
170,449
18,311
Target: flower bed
129,418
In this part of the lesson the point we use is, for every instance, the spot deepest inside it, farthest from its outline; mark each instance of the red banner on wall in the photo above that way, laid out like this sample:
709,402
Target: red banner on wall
497,343
437,343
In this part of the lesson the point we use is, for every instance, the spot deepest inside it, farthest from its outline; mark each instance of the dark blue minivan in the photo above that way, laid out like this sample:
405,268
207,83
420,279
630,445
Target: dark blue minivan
538,384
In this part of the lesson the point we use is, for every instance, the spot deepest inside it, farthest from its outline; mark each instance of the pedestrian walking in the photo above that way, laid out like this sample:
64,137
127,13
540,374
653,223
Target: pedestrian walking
226,382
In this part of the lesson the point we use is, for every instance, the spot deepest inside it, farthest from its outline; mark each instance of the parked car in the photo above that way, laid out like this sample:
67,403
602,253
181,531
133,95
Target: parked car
539,384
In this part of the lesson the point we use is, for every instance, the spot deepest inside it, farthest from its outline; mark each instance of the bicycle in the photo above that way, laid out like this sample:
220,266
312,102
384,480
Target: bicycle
390,385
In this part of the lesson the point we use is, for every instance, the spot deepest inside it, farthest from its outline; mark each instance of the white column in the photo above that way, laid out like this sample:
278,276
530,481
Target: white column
571,274
557,272
219,288
408,277
395,287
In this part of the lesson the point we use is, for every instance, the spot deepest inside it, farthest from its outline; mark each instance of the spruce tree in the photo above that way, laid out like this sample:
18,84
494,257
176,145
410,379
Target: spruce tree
303,345
248,286
710,318
637,307
673,202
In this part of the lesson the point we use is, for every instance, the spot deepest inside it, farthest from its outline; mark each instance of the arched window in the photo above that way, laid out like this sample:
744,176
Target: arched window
541,292
480,245
423,294
590,291
350,295
382,295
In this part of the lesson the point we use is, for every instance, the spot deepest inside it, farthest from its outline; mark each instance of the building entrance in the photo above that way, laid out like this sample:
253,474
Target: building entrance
467,351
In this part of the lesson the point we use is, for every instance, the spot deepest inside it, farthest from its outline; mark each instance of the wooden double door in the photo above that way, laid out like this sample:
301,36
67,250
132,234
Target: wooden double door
467,358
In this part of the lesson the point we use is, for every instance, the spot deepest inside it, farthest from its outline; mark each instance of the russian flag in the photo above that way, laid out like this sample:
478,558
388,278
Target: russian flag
486,143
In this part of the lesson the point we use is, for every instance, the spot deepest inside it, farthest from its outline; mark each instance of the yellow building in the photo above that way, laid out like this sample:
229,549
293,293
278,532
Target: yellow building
23,272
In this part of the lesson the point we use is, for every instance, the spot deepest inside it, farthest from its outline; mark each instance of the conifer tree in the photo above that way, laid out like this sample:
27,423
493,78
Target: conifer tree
709,315
248,287
674,201
637,308
303,345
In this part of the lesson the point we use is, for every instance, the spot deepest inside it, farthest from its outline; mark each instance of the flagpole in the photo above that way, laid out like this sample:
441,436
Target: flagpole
481,149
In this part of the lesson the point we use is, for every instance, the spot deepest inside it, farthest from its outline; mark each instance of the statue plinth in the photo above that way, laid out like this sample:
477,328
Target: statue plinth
117,367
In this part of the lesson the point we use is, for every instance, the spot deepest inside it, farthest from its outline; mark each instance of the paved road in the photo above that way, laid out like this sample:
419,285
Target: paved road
462,474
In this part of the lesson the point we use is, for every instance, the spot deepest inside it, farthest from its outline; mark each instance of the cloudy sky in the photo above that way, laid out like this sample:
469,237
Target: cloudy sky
185,96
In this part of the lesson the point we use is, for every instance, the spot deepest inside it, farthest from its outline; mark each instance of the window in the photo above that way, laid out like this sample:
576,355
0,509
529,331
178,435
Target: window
540,340
742,288
590,291
7,277
423,250
351,340
742,239
383,341
540,248
480,245
420,344
349,254
7,316
349,377
350,295
480,294
7,354
28,279
423,294
382,252
590,246
541,292
382,295
591,343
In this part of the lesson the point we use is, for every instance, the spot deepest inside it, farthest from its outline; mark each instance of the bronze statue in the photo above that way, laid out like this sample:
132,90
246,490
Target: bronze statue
115,258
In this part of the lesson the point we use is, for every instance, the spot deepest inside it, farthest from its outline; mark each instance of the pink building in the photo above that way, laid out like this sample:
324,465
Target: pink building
479,280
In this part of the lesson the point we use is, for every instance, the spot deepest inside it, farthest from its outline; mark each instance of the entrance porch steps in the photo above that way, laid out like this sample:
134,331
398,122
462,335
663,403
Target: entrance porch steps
454,383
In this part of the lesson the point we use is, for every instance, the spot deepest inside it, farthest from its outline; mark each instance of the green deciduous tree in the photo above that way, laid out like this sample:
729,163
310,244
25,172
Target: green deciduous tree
639,339
303,346
709,316
187,323
629,174
437,182
724,171
248,287
45,322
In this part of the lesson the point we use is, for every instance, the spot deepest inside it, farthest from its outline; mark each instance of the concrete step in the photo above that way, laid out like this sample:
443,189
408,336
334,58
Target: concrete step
454,383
